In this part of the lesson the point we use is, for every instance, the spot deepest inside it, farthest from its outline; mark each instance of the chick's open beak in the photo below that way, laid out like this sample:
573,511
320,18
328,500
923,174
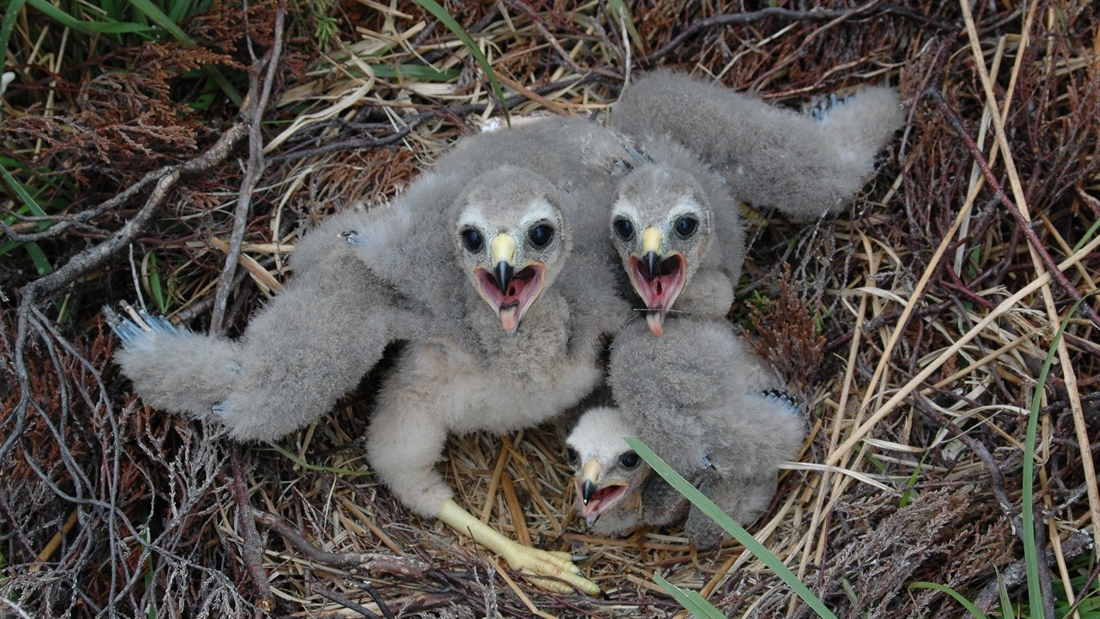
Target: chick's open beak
657,278
597,499
508,290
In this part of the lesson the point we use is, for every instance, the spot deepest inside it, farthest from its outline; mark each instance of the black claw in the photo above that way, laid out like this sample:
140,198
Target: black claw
821,110
784,397
351,236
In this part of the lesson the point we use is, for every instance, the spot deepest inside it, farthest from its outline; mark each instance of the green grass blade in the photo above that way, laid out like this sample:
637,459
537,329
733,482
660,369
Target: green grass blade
620,12
1088,235
154,285
29,204
38,257
22,193
154,13
179,10
694,604
907,495
223,83
967,604
113,9
416,72
86,26
737,531
443,16
317,467
1027,507
1007,612
8,25
851,593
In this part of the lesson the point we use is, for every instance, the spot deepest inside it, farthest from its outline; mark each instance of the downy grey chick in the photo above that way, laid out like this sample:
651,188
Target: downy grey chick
615,490
493,267
709,408
803,164
675,223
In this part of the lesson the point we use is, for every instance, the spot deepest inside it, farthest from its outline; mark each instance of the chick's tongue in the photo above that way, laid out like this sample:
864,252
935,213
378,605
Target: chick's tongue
508,316
592,507
598,497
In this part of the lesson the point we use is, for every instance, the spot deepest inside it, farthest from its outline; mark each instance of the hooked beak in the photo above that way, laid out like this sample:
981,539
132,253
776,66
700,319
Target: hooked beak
651,260
510,292
594,498
587,490
657,279
589,476
503,272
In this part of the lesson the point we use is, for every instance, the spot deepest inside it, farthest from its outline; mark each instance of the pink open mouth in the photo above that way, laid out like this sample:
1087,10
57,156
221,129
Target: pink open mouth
512,304
601,501
660,292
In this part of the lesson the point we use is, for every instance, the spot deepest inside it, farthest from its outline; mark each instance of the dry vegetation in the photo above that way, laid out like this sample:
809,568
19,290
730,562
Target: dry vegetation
917,323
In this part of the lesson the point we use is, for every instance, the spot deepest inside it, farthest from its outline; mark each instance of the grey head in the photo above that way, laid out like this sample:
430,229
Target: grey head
609,476
512,239
661,225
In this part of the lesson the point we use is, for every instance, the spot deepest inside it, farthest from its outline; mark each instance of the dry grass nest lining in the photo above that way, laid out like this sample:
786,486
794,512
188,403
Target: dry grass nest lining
348,136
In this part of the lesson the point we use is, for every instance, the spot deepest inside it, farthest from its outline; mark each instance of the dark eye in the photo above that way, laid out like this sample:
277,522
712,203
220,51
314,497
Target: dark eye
629,459
472,239
685,226
623,228
540,235
571,455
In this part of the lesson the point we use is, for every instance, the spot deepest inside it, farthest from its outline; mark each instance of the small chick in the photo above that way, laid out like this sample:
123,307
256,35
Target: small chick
609,476
616,490
710,409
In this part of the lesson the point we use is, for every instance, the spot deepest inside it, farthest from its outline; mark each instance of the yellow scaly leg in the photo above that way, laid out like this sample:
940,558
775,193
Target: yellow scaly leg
530,561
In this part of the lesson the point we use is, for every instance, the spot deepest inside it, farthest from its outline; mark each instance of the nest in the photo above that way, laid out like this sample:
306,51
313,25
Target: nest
917,323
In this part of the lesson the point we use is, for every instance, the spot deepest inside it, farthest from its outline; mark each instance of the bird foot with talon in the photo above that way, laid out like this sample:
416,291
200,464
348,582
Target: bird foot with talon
550,570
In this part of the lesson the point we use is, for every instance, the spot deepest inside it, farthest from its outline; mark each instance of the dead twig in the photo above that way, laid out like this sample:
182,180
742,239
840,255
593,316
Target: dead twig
166,180
983,454
1016,573
370,562
1000,195
259,93
252,553
377,597
343,601
817,14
